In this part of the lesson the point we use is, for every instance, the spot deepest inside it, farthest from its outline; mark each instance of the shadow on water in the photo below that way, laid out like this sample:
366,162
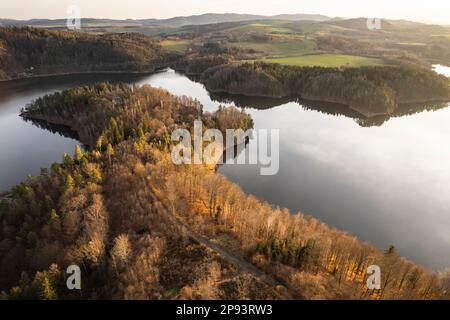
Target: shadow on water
401,111
12,88
329,108
260,103
62,130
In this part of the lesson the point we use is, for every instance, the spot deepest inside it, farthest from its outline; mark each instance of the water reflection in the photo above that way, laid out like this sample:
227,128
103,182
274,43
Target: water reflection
25,146
61,130
329,108
385,180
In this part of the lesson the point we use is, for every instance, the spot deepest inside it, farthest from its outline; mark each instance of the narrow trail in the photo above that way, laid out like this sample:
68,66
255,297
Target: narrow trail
237,261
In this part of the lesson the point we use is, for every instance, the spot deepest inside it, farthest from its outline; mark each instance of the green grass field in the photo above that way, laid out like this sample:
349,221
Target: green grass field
263,26
288,48
281,48
326,60
175,45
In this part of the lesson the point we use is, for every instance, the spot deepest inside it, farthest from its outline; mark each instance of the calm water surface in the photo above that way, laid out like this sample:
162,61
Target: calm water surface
387,181
25,148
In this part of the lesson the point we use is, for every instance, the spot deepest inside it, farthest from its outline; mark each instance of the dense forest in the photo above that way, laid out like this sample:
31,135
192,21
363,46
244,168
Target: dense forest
141,227
28,51
371,91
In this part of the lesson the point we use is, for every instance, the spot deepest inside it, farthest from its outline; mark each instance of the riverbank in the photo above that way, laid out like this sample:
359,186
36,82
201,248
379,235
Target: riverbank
27,52
371,91
93,73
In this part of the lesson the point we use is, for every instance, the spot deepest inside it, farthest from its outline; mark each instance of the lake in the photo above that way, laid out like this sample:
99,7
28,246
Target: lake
387,180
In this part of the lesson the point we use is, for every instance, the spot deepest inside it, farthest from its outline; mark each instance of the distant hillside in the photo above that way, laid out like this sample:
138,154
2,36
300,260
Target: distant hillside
209,18
387,25
26,52
61,22
300,16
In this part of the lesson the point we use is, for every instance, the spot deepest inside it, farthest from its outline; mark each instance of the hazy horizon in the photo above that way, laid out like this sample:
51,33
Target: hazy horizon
433,11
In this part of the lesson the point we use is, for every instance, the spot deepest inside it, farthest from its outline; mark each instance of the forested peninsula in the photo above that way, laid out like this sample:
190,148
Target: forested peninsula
371,91
145,228
27,52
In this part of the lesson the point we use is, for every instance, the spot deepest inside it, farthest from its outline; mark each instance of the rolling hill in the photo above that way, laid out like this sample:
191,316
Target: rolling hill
208,18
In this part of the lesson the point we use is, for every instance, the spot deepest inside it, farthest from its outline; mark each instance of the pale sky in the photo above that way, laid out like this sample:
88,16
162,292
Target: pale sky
437,11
